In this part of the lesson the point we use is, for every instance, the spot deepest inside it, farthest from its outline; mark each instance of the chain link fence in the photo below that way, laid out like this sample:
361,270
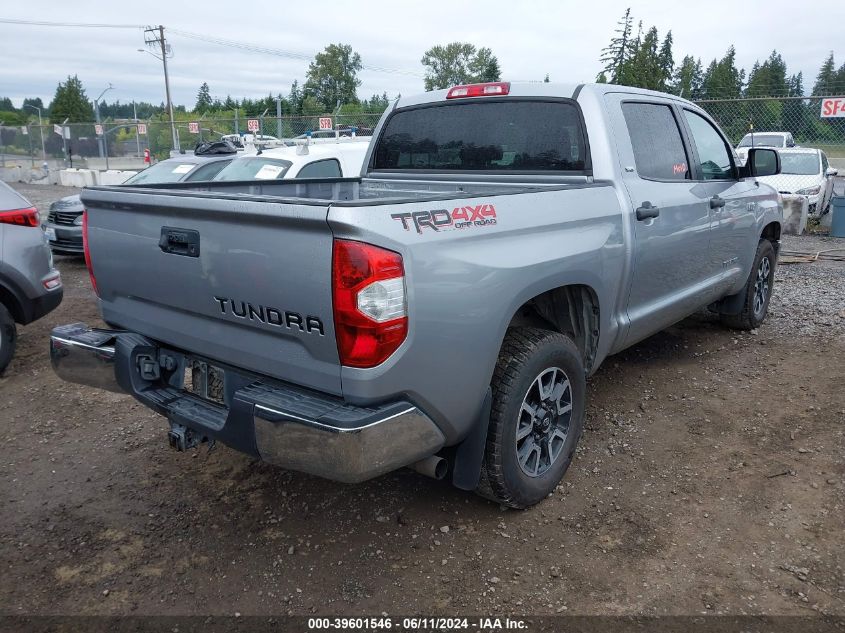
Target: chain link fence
269,130
122,144
804,173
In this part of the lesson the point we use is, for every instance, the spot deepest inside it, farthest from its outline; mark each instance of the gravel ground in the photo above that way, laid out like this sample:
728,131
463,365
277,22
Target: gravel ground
809,298
710,479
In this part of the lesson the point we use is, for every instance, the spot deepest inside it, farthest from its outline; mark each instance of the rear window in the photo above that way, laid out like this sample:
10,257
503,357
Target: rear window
254,169
484,136
165,171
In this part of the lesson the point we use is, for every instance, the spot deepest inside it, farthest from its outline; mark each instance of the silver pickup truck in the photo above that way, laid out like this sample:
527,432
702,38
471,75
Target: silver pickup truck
444,310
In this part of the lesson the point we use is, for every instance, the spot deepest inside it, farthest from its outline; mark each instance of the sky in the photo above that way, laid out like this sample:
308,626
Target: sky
530,38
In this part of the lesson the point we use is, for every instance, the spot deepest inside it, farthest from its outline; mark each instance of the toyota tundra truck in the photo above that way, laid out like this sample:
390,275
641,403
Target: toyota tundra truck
443,310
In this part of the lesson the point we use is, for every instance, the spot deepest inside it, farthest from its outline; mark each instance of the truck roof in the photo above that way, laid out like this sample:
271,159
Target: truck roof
539,89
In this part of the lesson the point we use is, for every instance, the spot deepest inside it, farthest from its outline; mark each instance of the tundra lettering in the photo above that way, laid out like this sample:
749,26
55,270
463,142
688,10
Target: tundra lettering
271,316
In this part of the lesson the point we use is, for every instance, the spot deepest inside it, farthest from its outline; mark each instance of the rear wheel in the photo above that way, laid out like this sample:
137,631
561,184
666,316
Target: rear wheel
536,419
757,291
8,337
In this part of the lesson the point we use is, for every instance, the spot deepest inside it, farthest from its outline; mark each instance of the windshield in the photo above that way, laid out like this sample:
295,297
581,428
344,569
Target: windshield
165,171
255,168
763,140
484,135
800,164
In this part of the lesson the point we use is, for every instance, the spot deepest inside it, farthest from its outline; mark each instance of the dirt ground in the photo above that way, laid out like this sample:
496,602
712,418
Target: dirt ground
710,479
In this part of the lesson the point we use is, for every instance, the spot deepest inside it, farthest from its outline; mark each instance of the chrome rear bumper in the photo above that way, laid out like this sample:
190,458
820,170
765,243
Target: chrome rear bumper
84,356
283,424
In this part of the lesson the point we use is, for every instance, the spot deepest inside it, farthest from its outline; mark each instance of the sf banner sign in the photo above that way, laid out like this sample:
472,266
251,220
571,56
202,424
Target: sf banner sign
252,125
325,123
193,127
833,108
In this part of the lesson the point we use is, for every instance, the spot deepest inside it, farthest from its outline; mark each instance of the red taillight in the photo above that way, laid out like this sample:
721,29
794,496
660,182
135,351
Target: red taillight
491,89
20,217
86,250
370,315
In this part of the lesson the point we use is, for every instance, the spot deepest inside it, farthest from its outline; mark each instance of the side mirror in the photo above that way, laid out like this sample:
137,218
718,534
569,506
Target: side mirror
762,162
831,171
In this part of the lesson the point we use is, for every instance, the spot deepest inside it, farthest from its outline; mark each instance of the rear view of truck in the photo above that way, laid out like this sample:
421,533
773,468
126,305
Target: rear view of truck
349,327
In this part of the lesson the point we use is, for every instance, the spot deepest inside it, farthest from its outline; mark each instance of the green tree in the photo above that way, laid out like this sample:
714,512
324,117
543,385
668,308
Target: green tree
687,78
768,79
295,98
229,103
332,77
458,63
615,54
70,102
826,78
6,105
722,79
203,99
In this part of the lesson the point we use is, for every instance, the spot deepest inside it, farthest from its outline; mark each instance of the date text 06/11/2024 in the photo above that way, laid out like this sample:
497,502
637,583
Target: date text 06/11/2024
417,624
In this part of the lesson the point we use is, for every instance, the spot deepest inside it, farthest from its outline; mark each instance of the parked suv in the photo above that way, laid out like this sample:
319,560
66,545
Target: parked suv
29,285
64,222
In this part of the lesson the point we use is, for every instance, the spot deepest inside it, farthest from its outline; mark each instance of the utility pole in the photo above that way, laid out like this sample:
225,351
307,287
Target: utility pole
137,136
101,138
155,35
279,116
40,130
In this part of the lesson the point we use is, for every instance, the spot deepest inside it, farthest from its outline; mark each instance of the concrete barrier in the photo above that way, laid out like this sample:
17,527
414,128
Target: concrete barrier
795,209
77,178
114,177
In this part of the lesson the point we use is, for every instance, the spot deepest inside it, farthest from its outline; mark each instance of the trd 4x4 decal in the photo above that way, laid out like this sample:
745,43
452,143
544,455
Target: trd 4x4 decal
445,220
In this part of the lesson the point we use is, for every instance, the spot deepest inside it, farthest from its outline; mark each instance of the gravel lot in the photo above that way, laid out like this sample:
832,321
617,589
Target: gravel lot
710,479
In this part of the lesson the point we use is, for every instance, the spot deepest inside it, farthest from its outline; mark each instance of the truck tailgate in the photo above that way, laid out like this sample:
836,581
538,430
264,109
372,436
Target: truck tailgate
238,279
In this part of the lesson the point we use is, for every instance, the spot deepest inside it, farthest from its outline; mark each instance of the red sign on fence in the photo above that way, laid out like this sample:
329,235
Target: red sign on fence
252,125
142,128
325,123
833,108
194,127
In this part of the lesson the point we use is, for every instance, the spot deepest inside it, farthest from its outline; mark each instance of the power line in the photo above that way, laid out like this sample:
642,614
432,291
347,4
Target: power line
279,52
253,48
71,24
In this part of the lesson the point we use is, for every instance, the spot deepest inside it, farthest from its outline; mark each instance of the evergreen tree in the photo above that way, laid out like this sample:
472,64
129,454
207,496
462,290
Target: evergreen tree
665,63
295,98
615,54
203,99
687,79
70,102
826,79
722,79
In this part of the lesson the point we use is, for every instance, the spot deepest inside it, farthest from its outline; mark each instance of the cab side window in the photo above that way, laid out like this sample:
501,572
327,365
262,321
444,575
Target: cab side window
714,155
825,164
321,169
656,140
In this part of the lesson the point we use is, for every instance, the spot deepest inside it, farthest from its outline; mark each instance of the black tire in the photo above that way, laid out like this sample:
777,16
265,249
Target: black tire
8,338
525,355
750,317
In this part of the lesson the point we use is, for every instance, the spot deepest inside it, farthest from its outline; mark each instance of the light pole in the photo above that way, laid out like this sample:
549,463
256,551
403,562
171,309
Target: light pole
97,117
40,129
156,36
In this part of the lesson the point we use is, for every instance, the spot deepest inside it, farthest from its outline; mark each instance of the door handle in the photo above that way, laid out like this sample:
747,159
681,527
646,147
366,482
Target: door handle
185,242
716,202
647,211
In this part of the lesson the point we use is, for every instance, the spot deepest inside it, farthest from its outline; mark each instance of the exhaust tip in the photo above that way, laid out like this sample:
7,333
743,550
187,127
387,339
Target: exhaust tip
434,466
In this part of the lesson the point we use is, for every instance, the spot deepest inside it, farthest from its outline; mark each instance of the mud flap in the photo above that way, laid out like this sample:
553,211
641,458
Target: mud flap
470,453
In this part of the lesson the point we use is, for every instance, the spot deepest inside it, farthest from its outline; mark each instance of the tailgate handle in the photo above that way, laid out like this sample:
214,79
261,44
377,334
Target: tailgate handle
176,241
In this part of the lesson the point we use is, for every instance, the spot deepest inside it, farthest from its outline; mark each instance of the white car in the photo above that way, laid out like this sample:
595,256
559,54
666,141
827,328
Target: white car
342,159
777,140
805,172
